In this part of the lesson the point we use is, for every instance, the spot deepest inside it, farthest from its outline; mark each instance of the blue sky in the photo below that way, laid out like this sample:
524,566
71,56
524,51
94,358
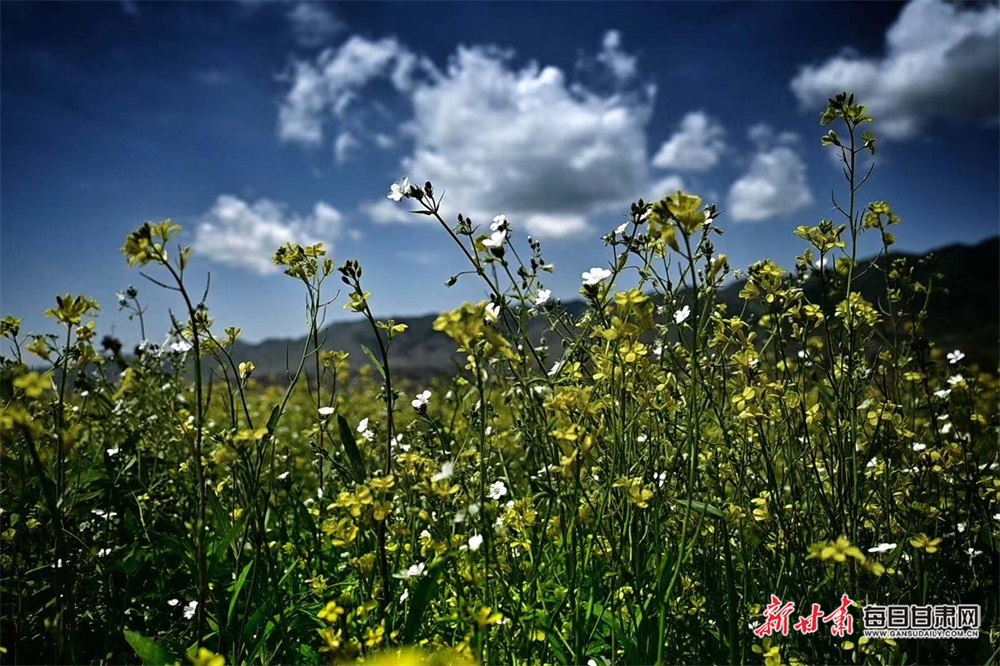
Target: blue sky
256,123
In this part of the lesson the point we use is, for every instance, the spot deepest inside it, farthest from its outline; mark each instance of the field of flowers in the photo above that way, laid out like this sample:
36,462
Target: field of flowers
641,487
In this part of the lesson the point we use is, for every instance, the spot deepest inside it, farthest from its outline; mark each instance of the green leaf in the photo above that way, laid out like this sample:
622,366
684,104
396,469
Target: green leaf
218,549
351,447
272,421
236,591
420,599
375,361
151,652
702,508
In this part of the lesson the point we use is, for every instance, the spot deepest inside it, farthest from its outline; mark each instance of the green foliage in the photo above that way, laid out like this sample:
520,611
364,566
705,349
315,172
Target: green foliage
624,481
149,651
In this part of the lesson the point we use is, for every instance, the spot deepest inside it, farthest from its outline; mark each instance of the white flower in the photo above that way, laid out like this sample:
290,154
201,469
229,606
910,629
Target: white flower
955,356
399,190
181,346
596,275
872,463
943,393
447,469
475,541
113,452
283,476
917,446
415,571
421,400
397,443
103,551
364,431
173,602
543,296
681,315
325,411
499,222
556,367
620,229
497,490
955,380
190,609
405,595
496,239
492,312
961,527
882,548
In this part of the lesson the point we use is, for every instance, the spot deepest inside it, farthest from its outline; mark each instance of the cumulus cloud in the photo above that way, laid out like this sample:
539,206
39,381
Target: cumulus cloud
697,145
329,85
941,60
313,24
775,184
526,142
238,233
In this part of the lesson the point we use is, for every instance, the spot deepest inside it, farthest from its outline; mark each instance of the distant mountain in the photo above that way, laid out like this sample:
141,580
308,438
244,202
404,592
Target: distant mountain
964,313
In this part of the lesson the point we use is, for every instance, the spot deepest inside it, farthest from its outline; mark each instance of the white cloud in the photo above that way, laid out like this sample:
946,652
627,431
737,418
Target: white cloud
526,143
546,225
245,235
697,145
332,81
386,212
621,64
775,184
664,187
313,24
941,60
345,143
523,141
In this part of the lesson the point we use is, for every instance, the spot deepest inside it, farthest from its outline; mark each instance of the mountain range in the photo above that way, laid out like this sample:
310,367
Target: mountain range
964,313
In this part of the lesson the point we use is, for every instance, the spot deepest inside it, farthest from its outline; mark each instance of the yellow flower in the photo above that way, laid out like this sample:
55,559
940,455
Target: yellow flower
34,384
383,483
686,209
331,639
925,543
838,551
375,636
771,653
206,657
331,612
485,618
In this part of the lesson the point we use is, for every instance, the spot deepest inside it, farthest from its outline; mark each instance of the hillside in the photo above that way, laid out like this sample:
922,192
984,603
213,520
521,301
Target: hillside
964,313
